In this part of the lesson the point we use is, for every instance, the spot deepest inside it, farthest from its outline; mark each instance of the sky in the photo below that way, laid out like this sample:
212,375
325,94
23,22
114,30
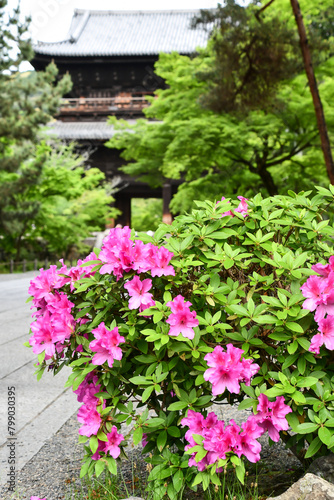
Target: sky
50,19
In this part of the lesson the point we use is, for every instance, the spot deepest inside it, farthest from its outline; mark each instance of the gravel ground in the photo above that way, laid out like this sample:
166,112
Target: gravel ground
54,471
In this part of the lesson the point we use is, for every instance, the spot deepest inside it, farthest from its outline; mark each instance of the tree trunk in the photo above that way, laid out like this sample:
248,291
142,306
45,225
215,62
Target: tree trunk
325,145
267,180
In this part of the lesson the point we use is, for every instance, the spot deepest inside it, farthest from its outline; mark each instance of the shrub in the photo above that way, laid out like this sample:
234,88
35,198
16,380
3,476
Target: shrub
156,329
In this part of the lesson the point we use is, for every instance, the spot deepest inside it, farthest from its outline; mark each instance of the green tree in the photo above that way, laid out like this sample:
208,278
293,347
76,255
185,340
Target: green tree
270,148
73,202
47,199
27,101
220,153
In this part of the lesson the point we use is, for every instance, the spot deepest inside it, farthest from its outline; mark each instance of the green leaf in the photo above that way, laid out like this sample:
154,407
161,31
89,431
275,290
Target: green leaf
84,468
93,443
290,360
301,364
298,397
223,235
137,435
295,327
273,392
246,403
313,448
147,393
307,382
240,472
99,467
304,343
174,431
178,405
293,421
112,465
200,454
146,358
162,439
178,480
237,309
203,400
265,319
155,422
307,427
325,435
140,380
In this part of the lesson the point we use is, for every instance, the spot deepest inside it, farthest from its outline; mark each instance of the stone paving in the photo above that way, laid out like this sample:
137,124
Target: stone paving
41,407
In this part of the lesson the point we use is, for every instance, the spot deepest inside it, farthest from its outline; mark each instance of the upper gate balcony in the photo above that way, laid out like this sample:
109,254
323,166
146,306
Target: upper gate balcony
124,103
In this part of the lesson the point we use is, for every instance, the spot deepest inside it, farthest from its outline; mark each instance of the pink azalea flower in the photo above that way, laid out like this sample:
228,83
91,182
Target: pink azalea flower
227,370
43,338
249,369
91,419
242,207
229,212
160,262
77,272
141,257
220,439
114,439
87,390
178,304
44,284
117,252
319,293
100,447
50,329
322,269
144,441
182,321
247,445
195,422
326,335
59,303
106,345
138,291
271,416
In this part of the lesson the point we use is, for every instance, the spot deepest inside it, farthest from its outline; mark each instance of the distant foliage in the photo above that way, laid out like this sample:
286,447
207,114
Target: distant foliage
146,214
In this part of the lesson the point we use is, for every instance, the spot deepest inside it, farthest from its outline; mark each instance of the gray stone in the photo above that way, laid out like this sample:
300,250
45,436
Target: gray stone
309,487
134,498
324,467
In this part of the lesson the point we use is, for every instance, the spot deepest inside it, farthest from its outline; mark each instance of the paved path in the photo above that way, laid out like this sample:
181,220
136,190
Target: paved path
41,408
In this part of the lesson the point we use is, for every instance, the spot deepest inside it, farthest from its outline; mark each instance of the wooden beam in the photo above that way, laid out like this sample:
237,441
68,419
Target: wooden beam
166,197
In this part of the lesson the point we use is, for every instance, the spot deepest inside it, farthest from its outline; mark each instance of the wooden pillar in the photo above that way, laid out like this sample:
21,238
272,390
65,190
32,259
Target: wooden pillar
123,203
166,197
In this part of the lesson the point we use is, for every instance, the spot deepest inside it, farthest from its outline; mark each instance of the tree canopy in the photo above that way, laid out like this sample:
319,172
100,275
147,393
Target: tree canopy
271,146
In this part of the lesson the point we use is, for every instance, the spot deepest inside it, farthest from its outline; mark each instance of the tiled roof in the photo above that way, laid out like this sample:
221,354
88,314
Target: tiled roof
127,33
76,131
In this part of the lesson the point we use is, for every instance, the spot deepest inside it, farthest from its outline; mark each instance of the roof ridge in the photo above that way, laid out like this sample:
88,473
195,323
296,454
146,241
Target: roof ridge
79,29
38,43
167,11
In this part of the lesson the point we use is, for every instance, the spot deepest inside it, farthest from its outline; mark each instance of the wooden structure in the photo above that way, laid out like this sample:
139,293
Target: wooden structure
110,56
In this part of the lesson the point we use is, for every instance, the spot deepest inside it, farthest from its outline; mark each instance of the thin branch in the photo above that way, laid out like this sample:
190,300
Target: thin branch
259,12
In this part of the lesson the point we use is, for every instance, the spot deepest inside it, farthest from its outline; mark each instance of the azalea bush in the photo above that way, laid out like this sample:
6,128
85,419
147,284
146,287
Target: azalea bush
209,310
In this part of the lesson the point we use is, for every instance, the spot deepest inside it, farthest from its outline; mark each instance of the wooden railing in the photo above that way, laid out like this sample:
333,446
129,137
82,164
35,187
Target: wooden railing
123,101
24,265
